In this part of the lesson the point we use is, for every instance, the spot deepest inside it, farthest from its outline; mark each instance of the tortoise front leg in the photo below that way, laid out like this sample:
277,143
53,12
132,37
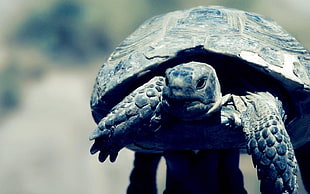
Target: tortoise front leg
136,115
269,144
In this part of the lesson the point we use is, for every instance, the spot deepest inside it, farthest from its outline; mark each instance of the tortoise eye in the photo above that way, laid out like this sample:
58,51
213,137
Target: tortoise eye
201,83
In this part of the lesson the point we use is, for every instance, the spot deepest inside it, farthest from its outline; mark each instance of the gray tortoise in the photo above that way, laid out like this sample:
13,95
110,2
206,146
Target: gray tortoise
182,75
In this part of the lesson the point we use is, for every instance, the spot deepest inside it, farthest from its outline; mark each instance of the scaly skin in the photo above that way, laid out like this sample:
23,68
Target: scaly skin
137,111
269,144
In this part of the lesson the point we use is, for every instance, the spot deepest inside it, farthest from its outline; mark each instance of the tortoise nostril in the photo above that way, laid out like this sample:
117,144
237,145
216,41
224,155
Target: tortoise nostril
177,92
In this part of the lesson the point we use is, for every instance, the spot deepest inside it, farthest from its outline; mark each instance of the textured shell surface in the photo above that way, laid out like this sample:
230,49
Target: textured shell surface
181,36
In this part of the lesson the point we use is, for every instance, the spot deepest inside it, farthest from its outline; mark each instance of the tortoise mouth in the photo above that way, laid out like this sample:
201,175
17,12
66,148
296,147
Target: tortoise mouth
189,109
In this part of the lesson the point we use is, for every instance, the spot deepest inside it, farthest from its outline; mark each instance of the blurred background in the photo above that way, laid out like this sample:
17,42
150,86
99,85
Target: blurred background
50,54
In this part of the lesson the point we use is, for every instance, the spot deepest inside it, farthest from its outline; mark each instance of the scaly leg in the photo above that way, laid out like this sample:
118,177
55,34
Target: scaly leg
269,144
135,116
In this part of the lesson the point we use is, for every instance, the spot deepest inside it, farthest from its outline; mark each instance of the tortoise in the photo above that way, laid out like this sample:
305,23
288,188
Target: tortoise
182,75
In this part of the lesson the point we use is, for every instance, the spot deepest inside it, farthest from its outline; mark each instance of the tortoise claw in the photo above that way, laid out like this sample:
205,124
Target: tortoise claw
113,156
94,149
230,117
103,155
104,147
99,133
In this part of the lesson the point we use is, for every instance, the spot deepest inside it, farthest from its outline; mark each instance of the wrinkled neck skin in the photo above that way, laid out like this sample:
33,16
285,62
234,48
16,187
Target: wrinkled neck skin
192,91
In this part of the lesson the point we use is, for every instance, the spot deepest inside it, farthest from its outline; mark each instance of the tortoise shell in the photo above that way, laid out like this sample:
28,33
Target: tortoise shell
209,34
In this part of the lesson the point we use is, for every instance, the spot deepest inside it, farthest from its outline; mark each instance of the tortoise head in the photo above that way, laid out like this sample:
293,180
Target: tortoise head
192,91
